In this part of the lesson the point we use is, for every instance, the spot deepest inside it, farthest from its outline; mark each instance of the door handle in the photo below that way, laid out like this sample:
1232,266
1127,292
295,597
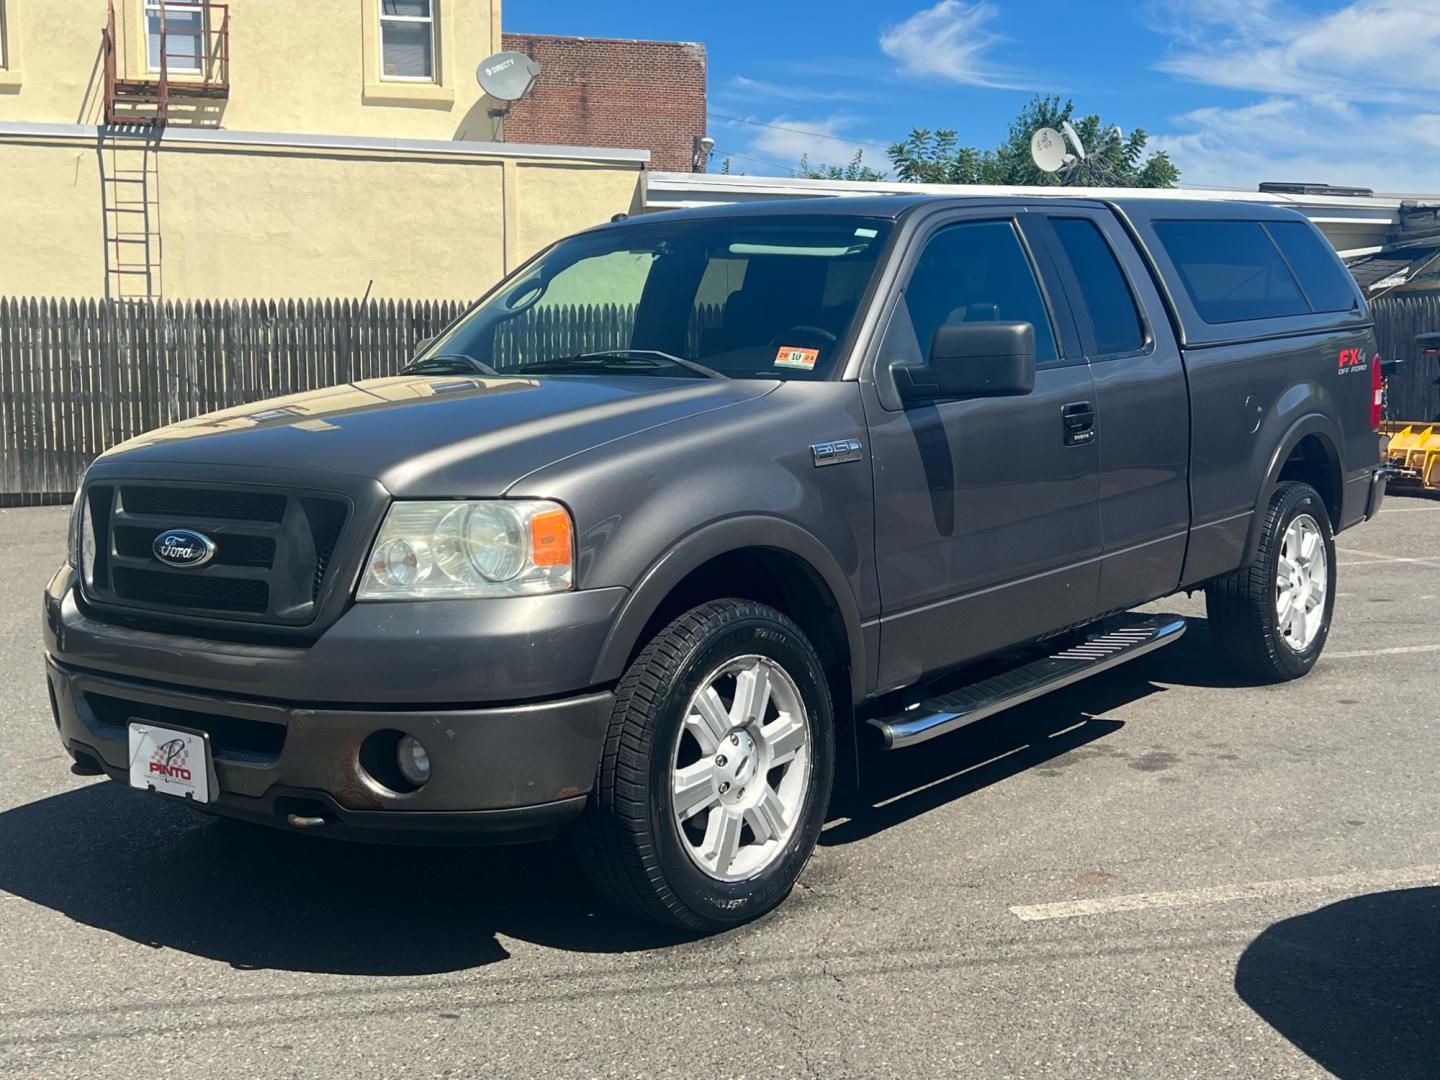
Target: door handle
1078,418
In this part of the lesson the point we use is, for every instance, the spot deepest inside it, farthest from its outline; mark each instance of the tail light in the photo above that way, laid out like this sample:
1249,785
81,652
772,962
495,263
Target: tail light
1377,393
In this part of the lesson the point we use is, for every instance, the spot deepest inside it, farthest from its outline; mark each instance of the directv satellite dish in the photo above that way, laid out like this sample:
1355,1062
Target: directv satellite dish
1047,150
1074,137
507,76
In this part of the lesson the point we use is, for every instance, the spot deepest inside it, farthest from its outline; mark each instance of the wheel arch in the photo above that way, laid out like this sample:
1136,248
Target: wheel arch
755,557
1309,452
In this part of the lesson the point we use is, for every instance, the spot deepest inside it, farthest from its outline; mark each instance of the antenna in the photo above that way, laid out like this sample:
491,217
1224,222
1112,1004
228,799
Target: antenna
507,76
1074,137
1047,150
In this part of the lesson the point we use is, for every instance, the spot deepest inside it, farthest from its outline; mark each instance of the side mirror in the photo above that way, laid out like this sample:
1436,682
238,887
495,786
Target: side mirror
421,346
971,360
1429,343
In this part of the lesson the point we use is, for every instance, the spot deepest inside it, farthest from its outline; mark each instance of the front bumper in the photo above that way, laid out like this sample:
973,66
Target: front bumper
287,725
498,774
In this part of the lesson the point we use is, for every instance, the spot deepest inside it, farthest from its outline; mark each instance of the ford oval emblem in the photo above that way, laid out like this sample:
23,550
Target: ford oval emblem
183,547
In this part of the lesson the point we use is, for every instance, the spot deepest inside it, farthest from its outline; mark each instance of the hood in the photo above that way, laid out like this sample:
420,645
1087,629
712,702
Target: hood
435,436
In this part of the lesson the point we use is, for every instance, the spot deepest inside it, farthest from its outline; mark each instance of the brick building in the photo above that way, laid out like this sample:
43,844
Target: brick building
647,95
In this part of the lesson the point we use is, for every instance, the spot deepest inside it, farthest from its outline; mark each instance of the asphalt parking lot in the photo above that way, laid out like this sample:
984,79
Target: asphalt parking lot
1157,873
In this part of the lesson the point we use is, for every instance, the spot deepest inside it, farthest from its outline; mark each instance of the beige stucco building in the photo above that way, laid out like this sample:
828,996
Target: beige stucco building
266,149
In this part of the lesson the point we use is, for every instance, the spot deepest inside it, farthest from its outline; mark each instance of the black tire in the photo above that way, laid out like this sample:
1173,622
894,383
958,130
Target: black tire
628,841
1241,606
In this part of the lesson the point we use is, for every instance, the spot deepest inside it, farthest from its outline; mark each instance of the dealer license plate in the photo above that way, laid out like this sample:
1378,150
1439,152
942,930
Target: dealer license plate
171,761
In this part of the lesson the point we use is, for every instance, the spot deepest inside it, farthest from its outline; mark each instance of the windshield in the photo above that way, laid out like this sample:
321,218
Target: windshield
741,298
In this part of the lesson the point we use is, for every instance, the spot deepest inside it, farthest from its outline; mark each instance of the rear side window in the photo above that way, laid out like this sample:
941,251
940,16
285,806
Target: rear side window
1232,270
1326,282
1103,285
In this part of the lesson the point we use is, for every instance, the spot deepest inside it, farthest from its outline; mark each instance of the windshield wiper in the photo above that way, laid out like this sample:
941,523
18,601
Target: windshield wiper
621,360
448,364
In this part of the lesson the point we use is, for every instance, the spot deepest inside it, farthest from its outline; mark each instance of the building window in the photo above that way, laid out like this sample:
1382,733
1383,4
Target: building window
179,29
4,45
407,40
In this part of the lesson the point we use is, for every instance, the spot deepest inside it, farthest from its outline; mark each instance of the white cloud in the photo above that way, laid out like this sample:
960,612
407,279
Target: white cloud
1349,96
787,139
948,41
741,86
1308,139
774,145
1370,50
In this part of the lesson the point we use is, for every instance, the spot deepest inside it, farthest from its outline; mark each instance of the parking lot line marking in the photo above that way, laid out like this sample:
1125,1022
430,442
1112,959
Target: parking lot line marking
1410,509
1222,894
1398,650
1377,557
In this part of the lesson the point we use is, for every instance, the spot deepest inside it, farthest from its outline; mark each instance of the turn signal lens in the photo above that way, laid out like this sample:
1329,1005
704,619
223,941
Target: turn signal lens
550,541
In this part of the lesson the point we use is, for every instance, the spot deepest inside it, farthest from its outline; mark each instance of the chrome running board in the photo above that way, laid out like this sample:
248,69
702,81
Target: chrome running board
1096,648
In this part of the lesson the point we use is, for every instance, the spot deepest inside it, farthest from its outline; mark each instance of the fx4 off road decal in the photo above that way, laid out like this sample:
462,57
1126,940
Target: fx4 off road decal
1354,360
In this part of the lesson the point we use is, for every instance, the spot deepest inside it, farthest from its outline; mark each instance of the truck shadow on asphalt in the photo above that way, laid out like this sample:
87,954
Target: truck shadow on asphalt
1354,984
161,874
899,785
165,875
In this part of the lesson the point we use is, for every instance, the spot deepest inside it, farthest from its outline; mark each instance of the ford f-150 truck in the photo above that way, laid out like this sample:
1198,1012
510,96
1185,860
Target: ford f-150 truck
824,470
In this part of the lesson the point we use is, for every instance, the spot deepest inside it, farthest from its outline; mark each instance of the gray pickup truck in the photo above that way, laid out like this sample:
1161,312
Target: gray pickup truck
690,505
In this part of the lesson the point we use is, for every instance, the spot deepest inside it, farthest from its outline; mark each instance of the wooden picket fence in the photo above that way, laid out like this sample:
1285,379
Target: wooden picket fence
1414,390
79,376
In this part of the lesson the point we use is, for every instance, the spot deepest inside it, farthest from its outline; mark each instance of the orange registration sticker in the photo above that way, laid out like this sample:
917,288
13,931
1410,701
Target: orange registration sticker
791,357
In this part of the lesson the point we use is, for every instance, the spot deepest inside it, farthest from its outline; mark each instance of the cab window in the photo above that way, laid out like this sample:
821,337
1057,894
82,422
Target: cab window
1108,300
974,271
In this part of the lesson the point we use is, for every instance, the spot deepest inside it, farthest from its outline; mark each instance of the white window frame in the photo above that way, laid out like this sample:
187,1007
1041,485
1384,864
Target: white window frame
153,7
434,76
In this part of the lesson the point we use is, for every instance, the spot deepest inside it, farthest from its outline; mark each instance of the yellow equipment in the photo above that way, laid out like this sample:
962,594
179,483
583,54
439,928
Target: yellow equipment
1414,455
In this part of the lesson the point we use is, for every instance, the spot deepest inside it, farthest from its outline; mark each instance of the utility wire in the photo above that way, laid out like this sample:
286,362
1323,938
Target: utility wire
722,154
799,131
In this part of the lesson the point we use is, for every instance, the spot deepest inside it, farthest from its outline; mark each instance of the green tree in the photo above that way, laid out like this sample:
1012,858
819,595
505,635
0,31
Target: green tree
856,170
935,157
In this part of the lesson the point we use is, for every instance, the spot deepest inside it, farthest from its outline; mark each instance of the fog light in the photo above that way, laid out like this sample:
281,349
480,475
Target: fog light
413,760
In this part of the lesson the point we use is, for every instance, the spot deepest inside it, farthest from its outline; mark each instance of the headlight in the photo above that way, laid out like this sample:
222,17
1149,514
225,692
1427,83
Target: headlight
479,548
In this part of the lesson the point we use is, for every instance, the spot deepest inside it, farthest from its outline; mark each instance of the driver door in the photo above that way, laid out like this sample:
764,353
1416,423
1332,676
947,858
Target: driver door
987,517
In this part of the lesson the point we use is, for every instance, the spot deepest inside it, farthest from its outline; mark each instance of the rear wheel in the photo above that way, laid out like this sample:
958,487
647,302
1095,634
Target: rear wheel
1271,617
716,772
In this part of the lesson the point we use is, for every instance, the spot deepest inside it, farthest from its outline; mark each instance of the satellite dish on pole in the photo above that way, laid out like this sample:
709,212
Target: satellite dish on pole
1074,137
507,76
1047,150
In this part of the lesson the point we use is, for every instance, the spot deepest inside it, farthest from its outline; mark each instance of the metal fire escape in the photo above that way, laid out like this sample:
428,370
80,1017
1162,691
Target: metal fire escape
137,108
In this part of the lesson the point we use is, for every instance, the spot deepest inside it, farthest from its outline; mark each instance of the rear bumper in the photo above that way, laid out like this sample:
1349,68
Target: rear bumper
498,774
1376,495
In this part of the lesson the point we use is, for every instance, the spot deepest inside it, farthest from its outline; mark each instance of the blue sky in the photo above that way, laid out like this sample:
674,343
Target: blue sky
1238,91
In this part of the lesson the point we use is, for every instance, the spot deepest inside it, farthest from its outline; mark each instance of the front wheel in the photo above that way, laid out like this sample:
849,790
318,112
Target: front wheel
1271,617
716,772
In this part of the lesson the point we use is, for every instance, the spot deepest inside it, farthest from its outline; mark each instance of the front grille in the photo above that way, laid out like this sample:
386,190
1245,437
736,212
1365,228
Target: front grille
184,590
202,502
275,551
230,549
326,520
230,736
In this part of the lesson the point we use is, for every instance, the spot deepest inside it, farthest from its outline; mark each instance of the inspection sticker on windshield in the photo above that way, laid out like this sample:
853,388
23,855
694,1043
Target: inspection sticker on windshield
791,357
